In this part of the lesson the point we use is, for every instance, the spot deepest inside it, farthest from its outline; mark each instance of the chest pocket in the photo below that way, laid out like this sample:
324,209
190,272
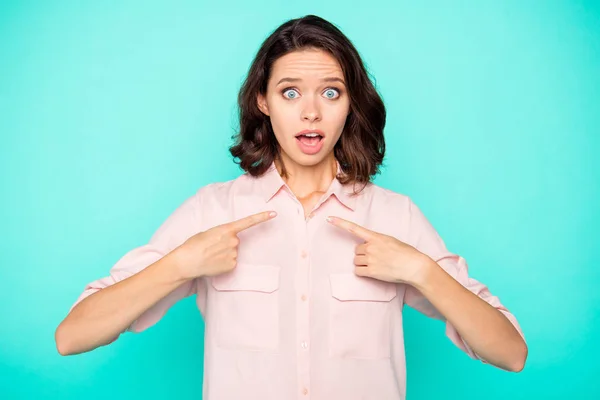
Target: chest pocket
247,307
360,316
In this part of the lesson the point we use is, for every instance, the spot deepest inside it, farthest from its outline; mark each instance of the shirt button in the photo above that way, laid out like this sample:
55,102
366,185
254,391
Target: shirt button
304,254
305,391
303,297
304,345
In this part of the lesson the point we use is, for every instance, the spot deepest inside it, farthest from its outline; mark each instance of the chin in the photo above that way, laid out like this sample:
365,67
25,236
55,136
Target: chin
306,160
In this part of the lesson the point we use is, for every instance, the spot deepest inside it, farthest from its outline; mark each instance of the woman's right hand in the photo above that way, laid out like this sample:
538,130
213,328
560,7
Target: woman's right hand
214,251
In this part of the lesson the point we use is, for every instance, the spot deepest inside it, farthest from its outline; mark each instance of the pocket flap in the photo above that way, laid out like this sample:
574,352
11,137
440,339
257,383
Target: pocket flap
349,287
250,277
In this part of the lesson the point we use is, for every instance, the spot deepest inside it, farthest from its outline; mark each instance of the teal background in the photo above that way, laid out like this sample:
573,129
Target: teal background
113,112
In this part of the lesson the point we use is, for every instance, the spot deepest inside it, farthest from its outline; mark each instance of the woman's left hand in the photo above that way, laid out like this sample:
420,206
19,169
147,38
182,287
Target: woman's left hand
384,257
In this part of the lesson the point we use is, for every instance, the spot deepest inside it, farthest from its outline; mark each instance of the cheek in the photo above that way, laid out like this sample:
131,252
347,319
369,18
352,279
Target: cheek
338,112
280,120
282,128
338,119
280,109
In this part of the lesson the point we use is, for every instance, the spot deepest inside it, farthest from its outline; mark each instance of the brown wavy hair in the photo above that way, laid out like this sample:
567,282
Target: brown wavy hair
361,147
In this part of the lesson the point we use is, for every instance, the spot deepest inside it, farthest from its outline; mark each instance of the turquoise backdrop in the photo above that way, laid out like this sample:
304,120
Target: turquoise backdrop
113,112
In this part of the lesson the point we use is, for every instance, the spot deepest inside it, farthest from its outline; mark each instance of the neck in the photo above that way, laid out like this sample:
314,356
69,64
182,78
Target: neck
306,180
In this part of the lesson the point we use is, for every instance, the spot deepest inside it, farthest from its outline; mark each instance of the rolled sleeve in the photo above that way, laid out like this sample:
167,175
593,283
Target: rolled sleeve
175,230
426,239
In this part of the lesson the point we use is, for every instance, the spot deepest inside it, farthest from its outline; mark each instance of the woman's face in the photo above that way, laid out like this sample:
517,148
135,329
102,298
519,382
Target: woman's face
306,94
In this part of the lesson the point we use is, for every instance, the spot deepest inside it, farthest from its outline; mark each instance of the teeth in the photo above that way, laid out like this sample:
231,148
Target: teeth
312,134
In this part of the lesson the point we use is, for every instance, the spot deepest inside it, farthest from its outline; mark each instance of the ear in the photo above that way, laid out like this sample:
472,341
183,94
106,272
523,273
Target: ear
262,104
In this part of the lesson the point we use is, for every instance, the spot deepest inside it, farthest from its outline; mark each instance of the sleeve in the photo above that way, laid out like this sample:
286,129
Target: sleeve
175,230
426,239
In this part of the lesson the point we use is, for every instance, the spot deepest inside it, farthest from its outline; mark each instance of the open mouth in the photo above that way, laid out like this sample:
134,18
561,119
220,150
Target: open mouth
310,139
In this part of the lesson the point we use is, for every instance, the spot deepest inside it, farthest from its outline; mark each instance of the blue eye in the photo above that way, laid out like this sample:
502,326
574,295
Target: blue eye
331,90
330,93
287,90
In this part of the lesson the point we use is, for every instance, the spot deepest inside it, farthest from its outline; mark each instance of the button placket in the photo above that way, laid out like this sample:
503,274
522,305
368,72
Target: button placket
302,307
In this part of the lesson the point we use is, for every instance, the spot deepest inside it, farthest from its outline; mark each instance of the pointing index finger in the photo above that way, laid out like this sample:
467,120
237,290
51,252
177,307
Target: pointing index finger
251,220
353,228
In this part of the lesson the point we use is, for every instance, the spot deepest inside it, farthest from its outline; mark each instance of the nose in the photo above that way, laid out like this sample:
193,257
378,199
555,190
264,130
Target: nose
311,112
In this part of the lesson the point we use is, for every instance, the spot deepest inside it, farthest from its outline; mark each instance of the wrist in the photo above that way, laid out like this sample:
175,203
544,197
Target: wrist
176,265
426,268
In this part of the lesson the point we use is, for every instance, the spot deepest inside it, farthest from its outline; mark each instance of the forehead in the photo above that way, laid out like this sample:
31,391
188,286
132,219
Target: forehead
306,64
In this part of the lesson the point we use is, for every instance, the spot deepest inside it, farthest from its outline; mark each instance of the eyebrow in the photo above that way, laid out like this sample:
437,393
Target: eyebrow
329,79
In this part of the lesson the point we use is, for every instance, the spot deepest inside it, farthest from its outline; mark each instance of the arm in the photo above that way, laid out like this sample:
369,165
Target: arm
487,332
101,317
141,287
476,320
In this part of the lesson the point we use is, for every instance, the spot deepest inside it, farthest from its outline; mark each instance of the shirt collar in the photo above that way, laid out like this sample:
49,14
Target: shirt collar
271,183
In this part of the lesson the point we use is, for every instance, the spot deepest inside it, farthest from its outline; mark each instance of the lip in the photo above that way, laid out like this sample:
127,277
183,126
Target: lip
310,149
317,131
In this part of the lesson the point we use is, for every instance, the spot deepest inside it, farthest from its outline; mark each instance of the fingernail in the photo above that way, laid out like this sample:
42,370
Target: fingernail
272,214
329,219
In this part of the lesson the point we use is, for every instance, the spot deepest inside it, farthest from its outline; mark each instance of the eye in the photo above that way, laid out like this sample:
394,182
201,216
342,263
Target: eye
331,92
289,90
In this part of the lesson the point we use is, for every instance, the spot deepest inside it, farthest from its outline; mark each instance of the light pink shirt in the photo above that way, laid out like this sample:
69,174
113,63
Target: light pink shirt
292,320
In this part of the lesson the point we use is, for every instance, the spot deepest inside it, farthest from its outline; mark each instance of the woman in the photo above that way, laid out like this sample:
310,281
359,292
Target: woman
301,265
